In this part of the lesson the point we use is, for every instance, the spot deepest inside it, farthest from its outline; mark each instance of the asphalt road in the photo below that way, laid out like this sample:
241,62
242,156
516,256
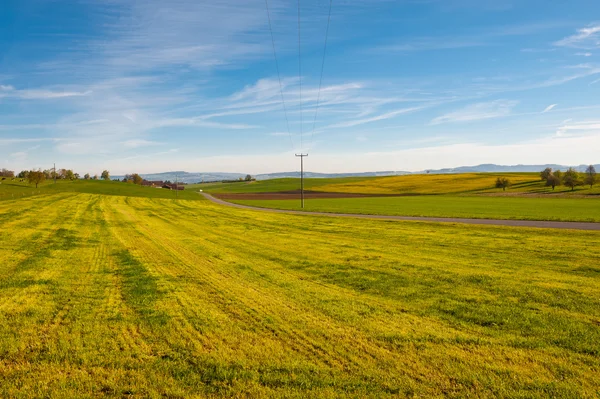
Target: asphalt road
490,222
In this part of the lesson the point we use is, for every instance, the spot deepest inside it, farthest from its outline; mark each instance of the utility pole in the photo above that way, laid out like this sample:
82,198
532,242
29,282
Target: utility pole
302,176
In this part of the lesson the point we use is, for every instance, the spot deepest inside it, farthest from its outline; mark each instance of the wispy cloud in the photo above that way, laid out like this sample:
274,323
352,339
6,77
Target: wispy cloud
479,111
387,115
549,108
38,94
587,54
585,38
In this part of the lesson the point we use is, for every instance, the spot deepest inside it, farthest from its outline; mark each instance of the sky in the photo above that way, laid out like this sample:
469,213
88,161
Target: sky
151,86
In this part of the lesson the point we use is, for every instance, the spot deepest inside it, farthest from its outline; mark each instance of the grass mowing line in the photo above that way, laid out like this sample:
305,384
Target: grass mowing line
410,300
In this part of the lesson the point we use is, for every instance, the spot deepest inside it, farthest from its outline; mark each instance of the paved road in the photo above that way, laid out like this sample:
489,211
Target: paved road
491,222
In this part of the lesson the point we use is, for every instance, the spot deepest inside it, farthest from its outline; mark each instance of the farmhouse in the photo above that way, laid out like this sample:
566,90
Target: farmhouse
155,183
173,186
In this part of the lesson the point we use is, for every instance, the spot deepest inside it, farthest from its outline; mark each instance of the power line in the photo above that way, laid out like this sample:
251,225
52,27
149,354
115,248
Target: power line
287,122
300,79
321,79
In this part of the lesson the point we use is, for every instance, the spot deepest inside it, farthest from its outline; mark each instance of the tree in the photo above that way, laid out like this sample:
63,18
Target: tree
95,177
248,178
571,179
76,176
553,180
137,179
590,176
69,175
36,177
23,174
546,173
105,175
502,182
6,173
86,176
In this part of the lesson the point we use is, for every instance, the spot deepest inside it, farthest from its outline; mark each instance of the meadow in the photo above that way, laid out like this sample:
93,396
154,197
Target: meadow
482,207
426,184
129,296
10,190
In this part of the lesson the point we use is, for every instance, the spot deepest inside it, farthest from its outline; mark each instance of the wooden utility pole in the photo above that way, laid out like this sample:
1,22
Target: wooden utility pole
302,177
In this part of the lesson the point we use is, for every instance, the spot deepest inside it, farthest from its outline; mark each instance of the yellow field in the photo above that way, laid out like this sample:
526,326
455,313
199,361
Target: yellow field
117,296
430,184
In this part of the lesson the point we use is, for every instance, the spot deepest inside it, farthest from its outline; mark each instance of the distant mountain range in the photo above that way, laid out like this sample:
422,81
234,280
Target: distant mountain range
186,177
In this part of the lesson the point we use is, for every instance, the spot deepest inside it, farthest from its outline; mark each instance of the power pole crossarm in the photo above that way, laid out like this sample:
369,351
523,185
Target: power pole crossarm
302,177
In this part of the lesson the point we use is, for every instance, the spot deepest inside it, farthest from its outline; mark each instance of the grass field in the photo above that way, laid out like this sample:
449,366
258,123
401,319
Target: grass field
463,184
12,190
106,295
561,209
273,185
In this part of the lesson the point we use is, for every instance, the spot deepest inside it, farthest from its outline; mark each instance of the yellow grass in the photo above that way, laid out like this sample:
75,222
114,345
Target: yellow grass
428,184
118,296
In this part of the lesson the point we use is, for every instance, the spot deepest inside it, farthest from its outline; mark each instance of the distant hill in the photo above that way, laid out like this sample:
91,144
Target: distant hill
186,177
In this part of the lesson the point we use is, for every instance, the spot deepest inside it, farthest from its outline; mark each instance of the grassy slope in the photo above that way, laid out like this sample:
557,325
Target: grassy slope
10,190
107,295
463,184
273,185
565,209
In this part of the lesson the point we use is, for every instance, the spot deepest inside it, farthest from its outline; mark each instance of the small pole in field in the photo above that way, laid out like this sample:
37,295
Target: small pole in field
302,177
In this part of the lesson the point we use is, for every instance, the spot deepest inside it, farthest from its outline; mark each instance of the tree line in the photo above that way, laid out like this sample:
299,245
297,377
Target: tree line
571,178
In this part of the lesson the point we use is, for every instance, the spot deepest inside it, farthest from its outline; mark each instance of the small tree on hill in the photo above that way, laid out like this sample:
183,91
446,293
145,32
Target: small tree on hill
86,176
590,176
502,182
36,177
105,175
137,179
571,179
546,173
553,181
248,178
69,175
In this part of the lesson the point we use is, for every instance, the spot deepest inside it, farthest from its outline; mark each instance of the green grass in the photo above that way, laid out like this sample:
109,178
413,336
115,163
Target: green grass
12,189
463,184
121,296
565,209
273,185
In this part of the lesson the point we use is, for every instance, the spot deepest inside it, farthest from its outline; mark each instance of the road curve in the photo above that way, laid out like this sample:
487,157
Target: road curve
490,222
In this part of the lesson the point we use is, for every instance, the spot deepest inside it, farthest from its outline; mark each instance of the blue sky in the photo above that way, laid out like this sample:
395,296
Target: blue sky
151,86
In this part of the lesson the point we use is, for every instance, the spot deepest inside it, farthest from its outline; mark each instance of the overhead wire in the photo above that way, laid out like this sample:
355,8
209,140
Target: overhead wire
300,79
321,78
287,121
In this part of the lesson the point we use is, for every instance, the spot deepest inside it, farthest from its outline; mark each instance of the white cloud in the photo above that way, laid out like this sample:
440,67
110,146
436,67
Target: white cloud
380,117
137,143
479,111
549,108
586,38
37,94
584,54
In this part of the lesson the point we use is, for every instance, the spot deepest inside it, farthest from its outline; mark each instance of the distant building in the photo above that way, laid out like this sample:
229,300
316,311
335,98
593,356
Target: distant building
155,183
173,186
